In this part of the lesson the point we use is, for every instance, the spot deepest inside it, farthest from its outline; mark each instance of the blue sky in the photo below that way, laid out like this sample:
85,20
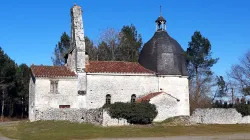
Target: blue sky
30,29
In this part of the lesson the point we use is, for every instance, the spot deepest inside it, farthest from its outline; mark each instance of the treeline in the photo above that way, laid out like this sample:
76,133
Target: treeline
14,87
113,45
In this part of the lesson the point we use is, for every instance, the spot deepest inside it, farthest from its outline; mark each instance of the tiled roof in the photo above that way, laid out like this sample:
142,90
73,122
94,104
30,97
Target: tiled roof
51,71
160,18
115,67
148,97
92,67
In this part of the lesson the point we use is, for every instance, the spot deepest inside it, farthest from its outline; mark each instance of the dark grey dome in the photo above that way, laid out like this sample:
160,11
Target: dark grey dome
163,55
160,18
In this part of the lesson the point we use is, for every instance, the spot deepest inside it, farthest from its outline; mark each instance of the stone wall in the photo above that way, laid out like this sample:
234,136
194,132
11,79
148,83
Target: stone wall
108,121
93,116
31,98
177,87
166,106
119,86
67,94
218,116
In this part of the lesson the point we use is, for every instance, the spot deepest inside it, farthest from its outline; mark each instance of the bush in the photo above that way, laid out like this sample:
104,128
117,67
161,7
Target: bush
243,108
134,113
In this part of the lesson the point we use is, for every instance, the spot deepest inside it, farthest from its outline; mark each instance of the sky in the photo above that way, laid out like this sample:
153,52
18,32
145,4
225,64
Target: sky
29,30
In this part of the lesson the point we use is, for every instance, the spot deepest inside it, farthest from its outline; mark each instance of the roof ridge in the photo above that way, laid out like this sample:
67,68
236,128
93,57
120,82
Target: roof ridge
115,61
46,66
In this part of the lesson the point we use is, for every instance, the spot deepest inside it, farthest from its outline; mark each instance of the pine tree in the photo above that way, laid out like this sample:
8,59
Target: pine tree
199,62
130,44
61,49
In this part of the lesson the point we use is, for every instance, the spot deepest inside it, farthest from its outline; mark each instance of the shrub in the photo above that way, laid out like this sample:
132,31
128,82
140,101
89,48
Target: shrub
134,113
243,108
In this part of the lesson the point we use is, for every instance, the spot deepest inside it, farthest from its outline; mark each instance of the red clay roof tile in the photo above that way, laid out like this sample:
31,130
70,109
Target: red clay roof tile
51,71
148,97
92,67
115,67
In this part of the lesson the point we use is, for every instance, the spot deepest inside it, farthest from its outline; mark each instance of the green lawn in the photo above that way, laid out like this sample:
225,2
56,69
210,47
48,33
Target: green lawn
50,130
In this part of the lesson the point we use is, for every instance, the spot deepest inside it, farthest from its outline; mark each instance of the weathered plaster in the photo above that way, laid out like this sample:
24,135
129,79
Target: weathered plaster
32,94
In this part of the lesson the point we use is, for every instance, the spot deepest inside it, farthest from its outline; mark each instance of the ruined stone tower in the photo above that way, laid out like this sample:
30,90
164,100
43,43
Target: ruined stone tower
78,44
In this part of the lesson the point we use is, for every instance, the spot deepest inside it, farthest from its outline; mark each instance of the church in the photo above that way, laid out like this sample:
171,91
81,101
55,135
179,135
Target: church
160,76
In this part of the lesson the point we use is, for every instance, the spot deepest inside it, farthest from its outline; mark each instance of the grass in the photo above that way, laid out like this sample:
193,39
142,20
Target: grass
62,130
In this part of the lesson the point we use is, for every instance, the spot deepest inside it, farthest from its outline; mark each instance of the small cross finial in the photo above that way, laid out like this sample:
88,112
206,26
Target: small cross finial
160,10
74,3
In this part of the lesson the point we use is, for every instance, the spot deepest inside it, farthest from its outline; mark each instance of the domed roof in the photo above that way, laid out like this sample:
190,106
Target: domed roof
160,18
163,55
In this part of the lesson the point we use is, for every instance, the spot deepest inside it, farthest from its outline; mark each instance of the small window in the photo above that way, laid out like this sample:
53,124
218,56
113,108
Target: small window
81,92
54,86
108,99
133,97
64,106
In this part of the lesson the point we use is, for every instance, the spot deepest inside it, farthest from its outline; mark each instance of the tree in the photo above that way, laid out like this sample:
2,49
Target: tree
130,44
7,76
222,87
60,50
14,87
90,49
110,39
22,84
104,52
240,74
199,62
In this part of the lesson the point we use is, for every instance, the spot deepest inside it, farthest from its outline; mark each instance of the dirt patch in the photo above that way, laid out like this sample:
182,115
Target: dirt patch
176,121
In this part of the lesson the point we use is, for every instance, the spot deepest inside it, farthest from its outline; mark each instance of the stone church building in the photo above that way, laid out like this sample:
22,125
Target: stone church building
160,77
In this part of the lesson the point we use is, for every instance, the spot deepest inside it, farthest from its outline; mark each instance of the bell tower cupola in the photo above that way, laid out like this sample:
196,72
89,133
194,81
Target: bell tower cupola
160,22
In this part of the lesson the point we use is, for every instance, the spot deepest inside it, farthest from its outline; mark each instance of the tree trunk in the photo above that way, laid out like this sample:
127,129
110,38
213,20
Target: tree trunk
2,106
22,107
232,96
11,109
197,87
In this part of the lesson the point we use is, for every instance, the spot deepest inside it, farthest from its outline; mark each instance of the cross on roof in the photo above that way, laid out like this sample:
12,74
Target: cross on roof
160,10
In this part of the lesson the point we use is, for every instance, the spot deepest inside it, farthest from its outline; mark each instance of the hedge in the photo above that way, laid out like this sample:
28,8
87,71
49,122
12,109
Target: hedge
242,108
134,113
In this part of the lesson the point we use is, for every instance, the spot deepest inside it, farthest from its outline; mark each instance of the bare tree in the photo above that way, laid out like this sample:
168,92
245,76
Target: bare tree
240,74
110,36
206,85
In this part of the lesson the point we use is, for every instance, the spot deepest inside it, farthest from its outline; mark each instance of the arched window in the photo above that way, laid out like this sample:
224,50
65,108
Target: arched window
108,99
133,96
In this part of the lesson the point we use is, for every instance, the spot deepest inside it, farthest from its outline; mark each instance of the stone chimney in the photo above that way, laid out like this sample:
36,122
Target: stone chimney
77,37
78,43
